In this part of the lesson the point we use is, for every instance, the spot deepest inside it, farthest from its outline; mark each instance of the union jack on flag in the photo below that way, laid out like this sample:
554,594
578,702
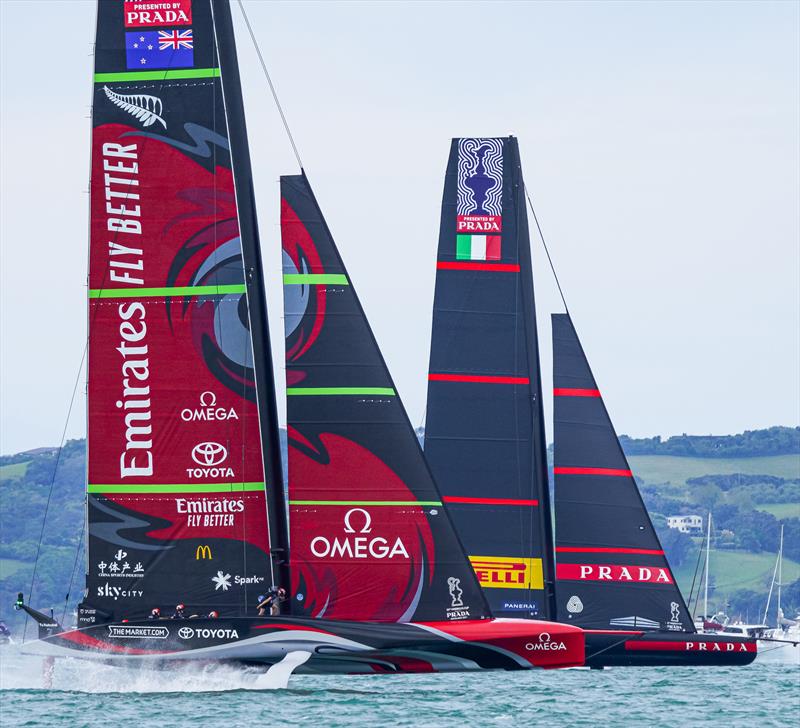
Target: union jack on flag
175,39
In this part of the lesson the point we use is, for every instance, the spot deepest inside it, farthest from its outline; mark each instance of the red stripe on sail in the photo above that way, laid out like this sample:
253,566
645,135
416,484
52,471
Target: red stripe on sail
490,501
593,471
477,379
567,392
502,267
604,550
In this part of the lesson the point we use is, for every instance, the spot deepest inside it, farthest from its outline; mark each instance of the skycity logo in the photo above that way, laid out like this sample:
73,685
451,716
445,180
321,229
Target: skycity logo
209,455
208,410
358,547
116,592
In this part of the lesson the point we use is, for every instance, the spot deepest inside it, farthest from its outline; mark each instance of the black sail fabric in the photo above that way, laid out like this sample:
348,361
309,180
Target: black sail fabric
484,436
611,569
370,539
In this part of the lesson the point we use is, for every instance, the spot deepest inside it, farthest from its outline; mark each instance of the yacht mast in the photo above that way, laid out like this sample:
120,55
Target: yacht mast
708,548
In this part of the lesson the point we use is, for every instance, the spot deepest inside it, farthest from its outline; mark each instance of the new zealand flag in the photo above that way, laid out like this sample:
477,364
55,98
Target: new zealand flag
159,49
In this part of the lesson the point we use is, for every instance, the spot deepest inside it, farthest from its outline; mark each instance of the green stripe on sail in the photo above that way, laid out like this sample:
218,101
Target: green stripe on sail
175,74
310,391
166,291
173,488
363,503
314,278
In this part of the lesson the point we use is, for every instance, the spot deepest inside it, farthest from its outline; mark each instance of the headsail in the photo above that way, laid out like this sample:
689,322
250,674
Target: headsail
176,469
370,538
484,433
611,569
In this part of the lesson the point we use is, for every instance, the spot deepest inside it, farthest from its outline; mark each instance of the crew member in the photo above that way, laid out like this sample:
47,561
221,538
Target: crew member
213,614
271,601
180,612
155,613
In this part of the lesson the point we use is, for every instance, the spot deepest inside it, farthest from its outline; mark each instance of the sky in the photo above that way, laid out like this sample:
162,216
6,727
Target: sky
660,142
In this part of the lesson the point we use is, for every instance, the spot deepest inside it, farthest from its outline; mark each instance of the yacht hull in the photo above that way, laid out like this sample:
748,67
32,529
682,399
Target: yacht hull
612,648
334,646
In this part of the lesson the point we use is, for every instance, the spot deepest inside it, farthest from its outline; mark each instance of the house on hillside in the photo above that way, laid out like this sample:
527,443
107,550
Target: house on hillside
692,524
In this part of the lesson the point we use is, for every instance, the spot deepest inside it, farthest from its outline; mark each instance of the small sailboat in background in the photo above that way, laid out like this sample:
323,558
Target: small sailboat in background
786,631
484,440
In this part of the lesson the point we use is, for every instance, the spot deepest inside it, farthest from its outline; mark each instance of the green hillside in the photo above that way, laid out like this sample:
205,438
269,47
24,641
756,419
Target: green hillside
13,471
676,470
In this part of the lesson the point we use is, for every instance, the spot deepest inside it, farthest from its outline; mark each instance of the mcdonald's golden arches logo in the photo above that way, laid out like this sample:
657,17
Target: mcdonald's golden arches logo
203,552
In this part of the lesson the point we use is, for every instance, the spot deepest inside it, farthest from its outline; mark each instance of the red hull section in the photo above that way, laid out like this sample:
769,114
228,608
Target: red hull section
335,646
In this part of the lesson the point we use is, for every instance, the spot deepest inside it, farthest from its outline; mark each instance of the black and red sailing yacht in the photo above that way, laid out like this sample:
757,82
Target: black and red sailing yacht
485,442
185,500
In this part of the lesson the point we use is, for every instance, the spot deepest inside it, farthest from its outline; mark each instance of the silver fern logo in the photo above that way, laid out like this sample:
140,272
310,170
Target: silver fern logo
145,108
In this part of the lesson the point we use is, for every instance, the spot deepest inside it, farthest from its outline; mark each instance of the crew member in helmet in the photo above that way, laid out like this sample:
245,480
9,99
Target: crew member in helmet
271,601
180,612
213,614
155,613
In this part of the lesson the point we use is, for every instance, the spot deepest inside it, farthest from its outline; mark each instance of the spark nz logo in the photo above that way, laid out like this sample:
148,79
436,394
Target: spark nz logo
223,581
360,546
209,456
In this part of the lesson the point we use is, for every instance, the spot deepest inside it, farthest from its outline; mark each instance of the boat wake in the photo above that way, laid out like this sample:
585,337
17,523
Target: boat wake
26,672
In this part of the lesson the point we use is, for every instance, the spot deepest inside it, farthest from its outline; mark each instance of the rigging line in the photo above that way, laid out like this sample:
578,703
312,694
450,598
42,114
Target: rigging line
53,479
271,86
696,567
72,576
544,244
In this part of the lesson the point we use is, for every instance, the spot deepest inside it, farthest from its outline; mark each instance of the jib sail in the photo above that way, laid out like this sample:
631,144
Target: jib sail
176,471
484,434
369,537
611,569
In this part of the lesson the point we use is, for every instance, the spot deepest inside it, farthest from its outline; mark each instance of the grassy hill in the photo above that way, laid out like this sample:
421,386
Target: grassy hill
732,571
676,470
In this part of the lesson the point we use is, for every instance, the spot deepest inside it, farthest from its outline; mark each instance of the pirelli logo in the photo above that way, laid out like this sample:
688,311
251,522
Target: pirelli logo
506,572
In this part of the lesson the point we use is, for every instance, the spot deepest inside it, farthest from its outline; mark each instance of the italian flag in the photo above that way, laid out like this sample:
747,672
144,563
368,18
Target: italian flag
478,247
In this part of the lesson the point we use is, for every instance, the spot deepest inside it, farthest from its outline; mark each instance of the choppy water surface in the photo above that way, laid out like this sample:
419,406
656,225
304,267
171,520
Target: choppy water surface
85,695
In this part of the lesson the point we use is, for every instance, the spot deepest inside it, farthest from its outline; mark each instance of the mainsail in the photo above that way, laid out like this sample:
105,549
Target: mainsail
484,430
177,491
611,569
370,538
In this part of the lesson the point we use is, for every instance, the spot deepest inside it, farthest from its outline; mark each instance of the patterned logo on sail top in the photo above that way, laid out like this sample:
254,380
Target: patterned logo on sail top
479,205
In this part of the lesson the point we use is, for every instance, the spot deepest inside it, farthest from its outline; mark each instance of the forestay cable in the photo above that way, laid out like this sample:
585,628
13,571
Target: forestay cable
271,86
53,480
546,250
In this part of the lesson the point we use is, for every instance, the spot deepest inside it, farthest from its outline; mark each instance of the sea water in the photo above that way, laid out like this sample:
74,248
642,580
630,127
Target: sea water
83,694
